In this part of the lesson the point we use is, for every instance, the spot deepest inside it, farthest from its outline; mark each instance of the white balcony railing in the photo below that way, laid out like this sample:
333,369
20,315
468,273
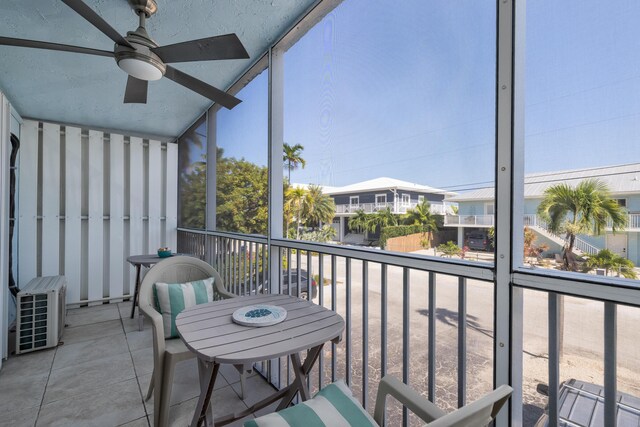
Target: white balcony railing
469,220
396,208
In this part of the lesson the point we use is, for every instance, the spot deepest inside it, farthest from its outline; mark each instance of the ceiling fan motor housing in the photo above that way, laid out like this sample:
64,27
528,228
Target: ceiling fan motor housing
148,7
125,56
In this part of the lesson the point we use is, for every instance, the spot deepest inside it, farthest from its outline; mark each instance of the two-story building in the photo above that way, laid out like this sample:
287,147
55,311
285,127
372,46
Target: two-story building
380,193
476,209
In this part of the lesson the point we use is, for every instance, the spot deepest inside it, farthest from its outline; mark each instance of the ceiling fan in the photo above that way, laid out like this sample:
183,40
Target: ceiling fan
141,57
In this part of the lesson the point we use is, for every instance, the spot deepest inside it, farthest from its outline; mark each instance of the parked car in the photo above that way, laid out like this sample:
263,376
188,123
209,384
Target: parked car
478,241
582,404
304,284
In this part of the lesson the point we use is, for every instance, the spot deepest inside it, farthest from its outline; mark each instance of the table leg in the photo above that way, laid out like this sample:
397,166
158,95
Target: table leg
208,372
135,291
300,371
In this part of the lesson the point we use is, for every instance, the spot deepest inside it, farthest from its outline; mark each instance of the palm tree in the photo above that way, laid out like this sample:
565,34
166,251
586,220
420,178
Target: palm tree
318,207
295,202
360,222
382,218
292,156
421,215
583,209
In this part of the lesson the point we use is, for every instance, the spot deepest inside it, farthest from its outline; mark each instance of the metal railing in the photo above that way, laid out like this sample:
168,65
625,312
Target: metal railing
469,220
399,311
396,208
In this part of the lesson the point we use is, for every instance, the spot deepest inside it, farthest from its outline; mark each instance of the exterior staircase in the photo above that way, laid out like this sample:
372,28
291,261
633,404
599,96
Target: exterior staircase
580,247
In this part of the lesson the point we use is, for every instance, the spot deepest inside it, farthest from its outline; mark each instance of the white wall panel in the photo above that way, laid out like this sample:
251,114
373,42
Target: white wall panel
95,245
136,201
95,199
28,203
50,199
117,259
73,255
5,143
171,174
154,195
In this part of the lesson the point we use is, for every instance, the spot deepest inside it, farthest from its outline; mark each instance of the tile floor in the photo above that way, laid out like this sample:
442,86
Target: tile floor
101,372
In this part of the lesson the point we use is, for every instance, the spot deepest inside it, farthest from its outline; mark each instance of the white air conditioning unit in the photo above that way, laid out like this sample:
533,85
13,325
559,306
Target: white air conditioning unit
41,313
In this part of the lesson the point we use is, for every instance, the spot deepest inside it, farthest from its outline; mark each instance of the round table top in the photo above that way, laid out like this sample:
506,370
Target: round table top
209,330
147,260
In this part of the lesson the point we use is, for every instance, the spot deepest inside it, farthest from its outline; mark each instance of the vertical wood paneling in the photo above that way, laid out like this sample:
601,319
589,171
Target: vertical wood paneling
95,249
117,259
171,173
28,203
50,199
136,201
73,212
93,254
154,196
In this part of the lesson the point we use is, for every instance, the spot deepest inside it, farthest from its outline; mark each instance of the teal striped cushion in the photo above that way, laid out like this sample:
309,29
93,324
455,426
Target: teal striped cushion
333,406
172,298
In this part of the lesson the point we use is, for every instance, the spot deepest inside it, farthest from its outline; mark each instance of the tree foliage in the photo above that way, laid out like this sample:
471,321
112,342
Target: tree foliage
611,262
449,249
583,209
292,157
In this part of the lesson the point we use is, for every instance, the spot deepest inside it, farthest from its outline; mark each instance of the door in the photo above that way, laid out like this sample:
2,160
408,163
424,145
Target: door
617,243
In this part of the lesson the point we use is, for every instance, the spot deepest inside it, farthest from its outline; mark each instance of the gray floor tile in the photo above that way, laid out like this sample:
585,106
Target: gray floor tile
143,360
140,422
89,315
112,405
21,393
139,339
84,351
37,362
224,401
186,384
24,418
257,389
89,376
92,331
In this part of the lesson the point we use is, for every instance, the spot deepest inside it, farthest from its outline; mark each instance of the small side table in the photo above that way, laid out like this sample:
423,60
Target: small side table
139,261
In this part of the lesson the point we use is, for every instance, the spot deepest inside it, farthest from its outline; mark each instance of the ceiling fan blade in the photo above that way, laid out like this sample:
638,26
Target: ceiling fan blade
136,92
8,41
228,46
96,20
204,89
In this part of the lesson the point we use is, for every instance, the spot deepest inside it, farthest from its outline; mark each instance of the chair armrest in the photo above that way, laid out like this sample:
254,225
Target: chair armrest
417,404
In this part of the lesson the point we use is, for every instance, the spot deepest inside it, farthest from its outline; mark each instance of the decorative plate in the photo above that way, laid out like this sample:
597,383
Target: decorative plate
259,315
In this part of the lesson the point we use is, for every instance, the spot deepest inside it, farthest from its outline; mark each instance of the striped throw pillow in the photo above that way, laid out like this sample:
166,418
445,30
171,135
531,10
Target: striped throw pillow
172,298
332,406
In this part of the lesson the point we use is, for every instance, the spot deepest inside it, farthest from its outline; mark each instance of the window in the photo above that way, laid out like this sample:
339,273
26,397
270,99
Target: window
489,208
622,202
192,180
354,200
420,199
241,173
406,199
430,122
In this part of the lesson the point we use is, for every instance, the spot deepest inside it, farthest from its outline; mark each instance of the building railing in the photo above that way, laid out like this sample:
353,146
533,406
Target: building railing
396,309
426,320
396,208
469,220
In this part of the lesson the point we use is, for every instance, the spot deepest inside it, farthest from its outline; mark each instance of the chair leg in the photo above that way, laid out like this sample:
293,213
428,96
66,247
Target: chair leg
150,391
162,410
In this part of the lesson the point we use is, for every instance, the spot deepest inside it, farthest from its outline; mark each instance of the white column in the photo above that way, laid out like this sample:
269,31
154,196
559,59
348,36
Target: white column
5,135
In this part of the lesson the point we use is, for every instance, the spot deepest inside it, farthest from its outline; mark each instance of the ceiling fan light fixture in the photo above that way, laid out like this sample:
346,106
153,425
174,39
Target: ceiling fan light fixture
141,68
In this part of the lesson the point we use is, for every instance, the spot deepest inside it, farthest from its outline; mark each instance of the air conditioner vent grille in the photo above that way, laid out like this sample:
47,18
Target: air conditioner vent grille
42,313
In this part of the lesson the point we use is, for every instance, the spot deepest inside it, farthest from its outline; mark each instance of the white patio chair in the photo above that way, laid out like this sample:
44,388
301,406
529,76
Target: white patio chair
168,352
335,405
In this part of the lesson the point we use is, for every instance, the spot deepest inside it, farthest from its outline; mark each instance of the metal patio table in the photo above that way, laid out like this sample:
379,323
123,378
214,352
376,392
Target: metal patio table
209,331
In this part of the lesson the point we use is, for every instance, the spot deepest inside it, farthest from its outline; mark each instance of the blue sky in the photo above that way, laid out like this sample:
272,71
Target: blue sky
407,90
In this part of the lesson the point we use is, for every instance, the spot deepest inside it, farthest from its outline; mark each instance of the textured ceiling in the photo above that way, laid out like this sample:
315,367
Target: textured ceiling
88,90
